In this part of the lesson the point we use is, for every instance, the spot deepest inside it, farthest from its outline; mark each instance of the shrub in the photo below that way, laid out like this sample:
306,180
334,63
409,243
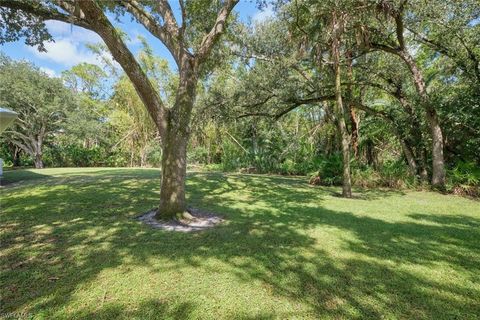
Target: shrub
154,155
391,174
329,170
464,179
366,177
198,154
232,157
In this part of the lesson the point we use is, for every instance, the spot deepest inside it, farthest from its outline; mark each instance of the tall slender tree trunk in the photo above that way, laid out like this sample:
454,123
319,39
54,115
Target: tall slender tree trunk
407,151
370,154
143,157
254,140
174,145
438,166
131,156
416,132
355,130
423,164
339,108
16,158
354,119
15,151
438,162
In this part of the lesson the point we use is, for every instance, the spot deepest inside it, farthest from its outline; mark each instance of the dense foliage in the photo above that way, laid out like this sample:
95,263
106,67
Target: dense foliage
408,78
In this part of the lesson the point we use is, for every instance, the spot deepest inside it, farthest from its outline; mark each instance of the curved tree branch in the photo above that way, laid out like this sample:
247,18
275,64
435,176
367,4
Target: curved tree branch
150,97
218,28
148,21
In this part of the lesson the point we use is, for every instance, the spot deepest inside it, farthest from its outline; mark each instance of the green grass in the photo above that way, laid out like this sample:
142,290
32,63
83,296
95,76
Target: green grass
70,249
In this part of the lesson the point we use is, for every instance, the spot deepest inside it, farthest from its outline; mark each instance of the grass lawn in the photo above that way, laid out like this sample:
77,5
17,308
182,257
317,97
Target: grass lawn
70,248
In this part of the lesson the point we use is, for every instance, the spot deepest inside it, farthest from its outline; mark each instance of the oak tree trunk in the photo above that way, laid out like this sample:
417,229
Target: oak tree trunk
174,171
174,145
37,149
38,161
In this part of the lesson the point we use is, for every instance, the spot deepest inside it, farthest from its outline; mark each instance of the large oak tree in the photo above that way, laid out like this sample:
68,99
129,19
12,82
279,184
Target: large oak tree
190,42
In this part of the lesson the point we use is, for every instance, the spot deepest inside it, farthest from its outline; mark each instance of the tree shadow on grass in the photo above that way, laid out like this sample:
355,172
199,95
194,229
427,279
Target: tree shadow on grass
57,239
459,221
13,176
30,176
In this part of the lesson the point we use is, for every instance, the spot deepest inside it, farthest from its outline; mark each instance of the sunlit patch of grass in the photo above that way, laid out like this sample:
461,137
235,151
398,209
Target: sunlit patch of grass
70,248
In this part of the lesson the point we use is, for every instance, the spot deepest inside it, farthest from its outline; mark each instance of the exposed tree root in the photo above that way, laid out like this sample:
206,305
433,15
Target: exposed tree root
188,221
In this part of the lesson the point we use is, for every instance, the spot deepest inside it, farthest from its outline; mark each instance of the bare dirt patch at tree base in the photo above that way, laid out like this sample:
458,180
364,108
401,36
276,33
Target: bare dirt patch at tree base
198,220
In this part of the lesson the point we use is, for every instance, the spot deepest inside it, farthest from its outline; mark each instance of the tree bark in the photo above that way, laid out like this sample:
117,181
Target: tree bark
355,130
15,152
38,161
354,120
407,151
423,164
339,109
175,141
38,145
438,166
174,171
143,157
16,157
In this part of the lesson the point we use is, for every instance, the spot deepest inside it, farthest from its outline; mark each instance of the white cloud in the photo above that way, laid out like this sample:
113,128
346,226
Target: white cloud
263,15
69,46
66,52
57,27
50,72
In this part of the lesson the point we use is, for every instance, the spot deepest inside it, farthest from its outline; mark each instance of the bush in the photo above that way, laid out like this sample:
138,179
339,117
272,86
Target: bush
73,155
366,177
330,170
84,157
464,179
198,154
233,158
154,155
395,174
391,174
116,160
464,173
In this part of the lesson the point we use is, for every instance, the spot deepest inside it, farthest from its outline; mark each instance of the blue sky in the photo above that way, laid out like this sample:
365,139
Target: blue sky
69,47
